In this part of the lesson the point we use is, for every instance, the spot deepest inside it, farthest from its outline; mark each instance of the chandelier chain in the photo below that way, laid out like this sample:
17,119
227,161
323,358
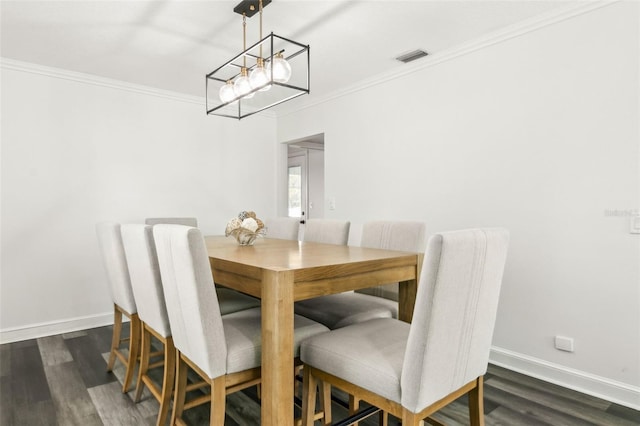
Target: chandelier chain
244,38
260,7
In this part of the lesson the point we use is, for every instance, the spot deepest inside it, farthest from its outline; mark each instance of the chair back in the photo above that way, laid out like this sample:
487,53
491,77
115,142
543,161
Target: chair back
115,263
327,231
402,236
140,251
186,221
190,294
284,228
454,316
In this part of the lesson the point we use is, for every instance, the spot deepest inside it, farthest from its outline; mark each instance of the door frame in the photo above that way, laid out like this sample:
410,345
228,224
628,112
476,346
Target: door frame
312,142
300,159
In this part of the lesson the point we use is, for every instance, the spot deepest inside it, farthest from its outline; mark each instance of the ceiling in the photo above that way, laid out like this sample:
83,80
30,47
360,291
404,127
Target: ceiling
171,45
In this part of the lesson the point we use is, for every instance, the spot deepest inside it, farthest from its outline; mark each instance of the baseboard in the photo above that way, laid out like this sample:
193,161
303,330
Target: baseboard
590,384
33,331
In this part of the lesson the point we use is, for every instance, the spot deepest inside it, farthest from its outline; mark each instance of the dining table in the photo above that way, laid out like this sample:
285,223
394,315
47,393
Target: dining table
281,272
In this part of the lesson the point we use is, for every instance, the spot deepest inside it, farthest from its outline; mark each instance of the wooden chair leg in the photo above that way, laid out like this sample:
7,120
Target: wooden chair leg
411,419
476,403
145,350
134,348
218,401
354,406
115,339
180,389
168,380
383,418
325,401
309,387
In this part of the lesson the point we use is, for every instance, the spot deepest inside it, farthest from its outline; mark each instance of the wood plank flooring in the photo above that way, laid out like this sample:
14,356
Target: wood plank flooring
62,380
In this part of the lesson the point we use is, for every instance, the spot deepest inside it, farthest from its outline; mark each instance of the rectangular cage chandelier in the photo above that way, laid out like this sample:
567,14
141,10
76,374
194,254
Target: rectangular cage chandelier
269,72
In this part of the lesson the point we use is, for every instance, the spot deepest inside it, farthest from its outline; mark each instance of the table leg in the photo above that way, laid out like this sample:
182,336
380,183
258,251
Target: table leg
407,291
277,348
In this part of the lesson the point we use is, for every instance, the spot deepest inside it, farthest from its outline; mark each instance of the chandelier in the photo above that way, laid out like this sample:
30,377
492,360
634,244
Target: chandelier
269,72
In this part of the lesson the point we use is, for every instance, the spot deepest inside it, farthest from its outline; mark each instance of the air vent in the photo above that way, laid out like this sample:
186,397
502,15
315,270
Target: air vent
412,56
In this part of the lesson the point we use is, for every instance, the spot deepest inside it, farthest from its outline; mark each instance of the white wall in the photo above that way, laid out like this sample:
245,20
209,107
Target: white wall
537,133
77,150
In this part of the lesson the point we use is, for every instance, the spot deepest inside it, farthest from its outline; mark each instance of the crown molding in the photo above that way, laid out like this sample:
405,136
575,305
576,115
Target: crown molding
504,34
507,33
94,80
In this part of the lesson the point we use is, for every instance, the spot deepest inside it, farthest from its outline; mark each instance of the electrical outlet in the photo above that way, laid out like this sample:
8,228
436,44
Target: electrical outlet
564,343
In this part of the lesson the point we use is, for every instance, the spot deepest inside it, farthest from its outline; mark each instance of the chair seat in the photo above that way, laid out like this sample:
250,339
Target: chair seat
242,331
233,301
368,354
340,310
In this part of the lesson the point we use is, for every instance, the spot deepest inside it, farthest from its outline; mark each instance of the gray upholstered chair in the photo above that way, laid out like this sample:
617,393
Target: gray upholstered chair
223,350
413,370
141,257
342,309
392,235
186,221
327,231
230,300
115,263
284,228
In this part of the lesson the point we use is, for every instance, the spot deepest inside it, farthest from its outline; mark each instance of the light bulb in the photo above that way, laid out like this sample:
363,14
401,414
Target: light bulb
260,76
242,87
281,69
226,92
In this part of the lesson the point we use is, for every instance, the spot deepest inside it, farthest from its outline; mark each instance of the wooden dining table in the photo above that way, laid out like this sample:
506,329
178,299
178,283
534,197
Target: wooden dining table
280,272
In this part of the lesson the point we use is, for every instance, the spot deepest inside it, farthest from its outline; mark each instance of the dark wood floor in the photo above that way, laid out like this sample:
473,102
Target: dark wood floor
61,380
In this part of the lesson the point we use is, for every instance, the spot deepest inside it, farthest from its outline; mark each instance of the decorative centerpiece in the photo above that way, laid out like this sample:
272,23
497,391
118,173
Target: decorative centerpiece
245,228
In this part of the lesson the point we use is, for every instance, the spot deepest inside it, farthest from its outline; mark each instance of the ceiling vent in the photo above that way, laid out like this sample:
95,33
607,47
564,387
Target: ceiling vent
412,56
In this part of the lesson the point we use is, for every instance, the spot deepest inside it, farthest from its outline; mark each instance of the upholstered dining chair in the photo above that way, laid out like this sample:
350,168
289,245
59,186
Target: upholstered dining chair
186,221
413,370
229,299
284,228
342,309
140,251
392,235
115,262
327,231
223,350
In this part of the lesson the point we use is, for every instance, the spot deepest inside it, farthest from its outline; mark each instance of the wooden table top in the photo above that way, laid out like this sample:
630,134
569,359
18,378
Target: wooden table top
275,254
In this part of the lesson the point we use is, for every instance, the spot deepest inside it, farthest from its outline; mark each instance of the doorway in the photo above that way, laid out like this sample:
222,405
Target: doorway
305,178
